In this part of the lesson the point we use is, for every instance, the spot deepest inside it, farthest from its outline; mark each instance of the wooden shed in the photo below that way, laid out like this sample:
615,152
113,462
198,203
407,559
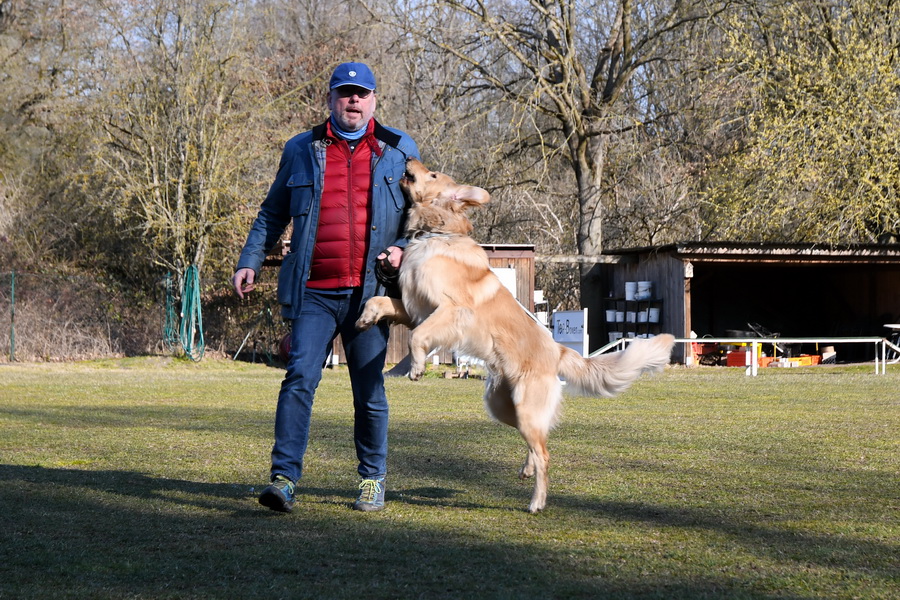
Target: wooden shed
712,289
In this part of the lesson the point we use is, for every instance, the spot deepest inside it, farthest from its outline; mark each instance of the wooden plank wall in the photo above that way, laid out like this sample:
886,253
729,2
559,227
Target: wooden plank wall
522,260
667,274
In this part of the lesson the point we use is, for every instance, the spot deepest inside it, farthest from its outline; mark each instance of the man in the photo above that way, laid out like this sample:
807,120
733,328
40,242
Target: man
339,183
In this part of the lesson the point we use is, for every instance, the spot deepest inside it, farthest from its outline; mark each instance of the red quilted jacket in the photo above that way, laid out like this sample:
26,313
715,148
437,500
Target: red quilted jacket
343,235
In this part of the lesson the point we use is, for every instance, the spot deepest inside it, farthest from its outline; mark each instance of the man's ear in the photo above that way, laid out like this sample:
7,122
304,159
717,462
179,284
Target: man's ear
471,195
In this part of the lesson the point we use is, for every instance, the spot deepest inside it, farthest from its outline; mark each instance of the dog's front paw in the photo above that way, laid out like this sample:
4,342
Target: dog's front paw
364,322
370,315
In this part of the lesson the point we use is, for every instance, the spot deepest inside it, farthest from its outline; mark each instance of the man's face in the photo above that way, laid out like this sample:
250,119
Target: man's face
352,106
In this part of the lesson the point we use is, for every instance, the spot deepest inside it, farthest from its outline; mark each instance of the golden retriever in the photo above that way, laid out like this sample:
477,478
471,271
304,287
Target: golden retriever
451,299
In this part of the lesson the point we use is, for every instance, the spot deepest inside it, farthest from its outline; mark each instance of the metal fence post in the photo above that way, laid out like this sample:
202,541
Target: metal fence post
12,316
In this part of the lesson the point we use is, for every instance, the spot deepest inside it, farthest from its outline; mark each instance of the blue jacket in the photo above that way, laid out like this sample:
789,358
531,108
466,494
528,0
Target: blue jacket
296,194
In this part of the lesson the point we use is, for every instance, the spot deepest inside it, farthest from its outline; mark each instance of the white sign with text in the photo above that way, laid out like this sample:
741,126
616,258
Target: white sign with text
570,329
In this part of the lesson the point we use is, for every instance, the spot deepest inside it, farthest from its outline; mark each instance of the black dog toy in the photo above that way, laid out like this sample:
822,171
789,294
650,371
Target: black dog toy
388,275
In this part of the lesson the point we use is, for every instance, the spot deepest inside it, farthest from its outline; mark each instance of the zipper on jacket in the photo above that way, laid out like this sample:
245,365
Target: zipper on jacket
350,211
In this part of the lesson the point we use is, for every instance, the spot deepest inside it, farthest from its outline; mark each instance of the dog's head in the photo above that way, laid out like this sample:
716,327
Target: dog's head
437,203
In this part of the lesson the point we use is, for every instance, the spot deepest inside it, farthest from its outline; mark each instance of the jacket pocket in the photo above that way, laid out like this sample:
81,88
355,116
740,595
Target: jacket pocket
392,183
287,280
301,186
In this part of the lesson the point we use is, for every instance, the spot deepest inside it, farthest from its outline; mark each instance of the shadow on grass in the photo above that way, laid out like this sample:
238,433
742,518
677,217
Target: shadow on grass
175,418
829,551
109,534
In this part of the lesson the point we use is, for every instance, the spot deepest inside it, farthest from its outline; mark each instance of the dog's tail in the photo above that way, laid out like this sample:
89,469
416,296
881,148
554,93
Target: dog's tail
609,374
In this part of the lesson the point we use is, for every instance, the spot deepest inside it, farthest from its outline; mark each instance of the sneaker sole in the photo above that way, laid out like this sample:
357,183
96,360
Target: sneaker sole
275,502
367,507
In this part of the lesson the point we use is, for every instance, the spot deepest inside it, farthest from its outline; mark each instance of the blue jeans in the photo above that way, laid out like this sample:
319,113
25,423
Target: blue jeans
324,315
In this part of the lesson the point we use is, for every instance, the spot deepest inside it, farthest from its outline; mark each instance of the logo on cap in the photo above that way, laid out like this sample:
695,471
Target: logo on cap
352,73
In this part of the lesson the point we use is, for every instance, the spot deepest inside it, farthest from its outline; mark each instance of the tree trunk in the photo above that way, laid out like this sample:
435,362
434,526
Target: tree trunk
588,175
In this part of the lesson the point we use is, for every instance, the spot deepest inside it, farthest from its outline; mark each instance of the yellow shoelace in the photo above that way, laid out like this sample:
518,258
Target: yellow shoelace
370,489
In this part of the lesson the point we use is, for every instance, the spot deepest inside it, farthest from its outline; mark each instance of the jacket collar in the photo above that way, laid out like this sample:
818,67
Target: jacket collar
381,133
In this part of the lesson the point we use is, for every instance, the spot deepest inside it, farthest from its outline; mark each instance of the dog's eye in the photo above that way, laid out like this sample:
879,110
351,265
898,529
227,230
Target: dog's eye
433,175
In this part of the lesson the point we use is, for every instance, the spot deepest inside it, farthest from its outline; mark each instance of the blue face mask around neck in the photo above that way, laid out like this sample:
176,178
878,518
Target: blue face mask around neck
348,135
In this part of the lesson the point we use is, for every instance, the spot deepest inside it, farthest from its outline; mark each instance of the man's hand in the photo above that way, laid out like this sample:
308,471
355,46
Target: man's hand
244,282
394,254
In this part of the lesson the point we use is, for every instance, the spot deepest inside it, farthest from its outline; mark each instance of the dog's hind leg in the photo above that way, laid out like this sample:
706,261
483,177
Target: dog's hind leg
536,415
498,400
538,463
499,403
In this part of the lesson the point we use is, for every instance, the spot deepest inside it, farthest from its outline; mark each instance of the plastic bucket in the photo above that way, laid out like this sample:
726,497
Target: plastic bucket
630,290
644,290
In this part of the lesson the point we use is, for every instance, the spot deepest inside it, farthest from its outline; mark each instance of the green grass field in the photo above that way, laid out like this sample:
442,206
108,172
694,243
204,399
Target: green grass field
138,479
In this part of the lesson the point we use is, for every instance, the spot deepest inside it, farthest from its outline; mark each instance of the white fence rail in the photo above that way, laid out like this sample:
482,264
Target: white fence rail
881,347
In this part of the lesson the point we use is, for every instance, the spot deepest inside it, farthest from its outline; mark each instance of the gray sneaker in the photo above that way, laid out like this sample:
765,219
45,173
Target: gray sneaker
371,495
279,495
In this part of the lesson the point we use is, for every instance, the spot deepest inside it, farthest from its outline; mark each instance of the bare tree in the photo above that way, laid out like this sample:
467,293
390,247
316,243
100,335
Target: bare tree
568,67
7,14
166,156
41,61
198,98
555,107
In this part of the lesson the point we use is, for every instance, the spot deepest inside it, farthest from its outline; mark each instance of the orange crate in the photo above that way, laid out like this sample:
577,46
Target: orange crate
736,359
704,348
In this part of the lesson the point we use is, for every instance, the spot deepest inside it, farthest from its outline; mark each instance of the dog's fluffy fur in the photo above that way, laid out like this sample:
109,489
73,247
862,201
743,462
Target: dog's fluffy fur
451,299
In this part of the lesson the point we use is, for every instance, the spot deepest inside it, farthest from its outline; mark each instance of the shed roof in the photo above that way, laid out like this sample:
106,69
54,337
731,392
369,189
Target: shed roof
767,252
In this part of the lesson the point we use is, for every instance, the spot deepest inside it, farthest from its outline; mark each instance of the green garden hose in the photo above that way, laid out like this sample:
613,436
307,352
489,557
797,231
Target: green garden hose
170,326
189,335
191,316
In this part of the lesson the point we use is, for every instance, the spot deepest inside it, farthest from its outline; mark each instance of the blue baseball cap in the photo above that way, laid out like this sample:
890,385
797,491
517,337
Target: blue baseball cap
352,73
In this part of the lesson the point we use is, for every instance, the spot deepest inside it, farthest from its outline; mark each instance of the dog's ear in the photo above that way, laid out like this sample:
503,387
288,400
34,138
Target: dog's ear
471,195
